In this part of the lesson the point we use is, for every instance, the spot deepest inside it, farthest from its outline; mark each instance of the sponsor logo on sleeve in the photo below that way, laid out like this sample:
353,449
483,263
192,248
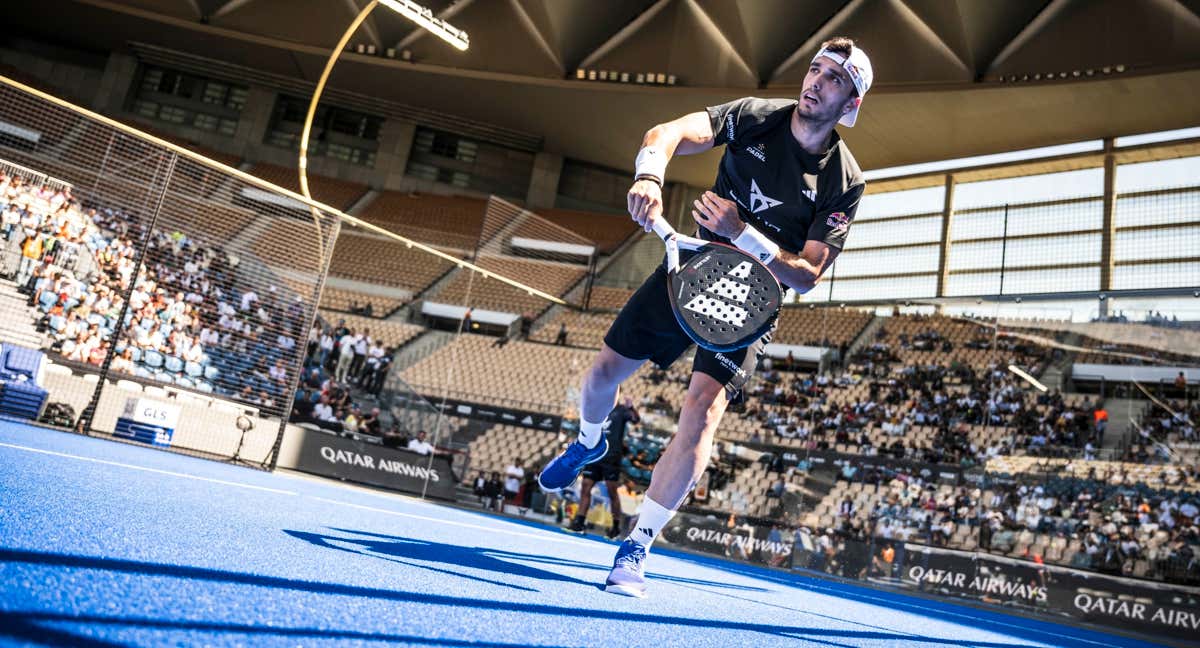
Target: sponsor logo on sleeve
838,220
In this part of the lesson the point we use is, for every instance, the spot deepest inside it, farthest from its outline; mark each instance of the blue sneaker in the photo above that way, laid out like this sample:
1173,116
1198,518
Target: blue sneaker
563,469
627,577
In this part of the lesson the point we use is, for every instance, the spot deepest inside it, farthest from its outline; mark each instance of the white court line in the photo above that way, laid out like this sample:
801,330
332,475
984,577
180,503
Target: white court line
143,468
546,535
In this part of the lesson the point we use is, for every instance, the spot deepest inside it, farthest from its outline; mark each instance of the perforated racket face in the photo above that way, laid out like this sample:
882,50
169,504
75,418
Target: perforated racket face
724,298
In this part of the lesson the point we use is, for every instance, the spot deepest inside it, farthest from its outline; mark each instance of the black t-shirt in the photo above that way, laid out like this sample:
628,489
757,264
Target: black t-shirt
618,420
788,194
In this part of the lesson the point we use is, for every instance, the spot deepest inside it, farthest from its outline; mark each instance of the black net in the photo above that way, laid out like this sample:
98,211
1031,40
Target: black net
162,298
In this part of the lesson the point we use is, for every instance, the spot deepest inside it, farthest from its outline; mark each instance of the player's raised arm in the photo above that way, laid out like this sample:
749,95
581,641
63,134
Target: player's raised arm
689,134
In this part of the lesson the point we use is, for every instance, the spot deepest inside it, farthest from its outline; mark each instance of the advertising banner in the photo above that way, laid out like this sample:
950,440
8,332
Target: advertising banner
1126,603
741,541
492,413
377,465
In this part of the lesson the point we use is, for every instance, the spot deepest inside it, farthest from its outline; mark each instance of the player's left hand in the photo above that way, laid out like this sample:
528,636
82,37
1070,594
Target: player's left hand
718,215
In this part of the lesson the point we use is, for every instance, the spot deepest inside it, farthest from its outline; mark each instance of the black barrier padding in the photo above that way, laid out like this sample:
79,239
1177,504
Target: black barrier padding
1123,603
333,456
742,541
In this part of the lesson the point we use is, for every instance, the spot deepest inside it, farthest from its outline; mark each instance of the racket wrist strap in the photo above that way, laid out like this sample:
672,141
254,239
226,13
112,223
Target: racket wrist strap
651,164
755,242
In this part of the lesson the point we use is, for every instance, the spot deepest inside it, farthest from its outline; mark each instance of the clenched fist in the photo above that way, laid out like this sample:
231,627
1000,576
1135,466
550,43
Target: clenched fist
645,203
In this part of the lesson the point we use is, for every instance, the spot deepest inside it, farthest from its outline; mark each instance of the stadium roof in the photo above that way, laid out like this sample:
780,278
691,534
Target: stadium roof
954,78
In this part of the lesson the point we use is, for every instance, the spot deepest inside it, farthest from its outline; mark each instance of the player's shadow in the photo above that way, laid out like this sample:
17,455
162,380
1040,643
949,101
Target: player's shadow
456,558
420,553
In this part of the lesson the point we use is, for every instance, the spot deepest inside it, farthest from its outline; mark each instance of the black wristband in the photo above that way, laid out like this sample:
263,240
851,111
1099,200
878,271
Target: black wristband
646,176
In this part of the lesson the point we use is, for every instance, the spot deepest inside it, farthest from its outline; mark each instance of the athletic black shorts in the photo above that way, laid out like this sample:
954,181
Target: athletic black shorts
602,472
646,329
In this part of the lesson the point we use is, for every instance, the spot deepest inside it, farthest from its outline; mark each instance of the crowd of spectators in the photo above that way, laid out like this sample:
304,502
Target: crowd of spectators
337,360
1100,526
193,319
1159,431
1153,318
814,408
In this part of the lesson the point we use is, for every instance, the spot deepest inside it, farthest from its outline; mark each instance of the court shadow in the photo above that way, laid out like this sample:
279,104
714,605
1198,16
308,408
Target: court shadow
193,576
419,553
33,628
484,557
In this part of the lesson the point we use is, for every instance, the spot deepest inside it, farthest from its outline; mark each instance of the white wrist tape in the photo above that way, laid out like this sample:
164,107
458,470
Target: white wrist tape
754,242
651,162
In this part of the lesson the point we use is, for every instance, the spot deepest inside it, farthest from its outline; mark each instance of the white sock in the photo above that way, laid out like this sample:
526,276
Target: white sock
590,433
652,517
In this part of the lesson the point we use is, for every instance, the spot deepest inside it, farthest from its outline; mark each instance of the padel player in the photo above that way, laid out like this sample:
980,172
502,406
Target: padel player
607,469
786,192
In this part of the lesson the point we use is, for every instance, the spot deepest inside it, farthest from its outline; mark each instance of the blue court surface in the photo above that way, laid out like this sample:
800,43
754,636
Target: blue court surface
106,544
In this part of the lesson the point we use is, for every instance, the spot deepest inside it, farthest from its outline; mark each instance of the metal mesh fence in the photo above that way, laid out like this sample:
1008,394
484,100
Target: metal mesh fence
157,296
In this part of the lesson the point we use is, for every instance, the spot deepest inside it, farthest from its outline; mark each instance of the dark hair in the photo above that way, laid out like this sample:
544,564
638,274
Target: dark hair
842,45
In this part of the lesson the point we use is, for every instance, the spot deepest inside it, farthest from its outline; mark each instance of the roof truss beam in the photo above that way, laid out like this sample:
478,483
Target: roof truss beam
624,34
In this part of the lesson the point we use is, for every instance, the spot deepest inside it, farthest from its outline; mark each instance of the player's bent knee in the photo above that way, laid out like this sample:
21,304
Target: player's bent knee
706,397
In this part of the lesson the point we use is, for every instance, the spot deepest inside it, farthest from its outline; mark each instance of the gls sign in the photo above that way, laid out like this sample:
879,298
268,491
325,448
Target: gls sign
151,412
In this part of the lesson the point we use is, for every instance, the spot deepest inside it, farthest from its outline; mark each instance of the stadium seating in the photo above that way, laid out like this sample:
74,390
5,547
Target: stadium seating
437,220
608,298
222,222
291,245
471,289
959,333
382,261
1057,511
501,445
535,374
583,329
338,194
340,299
829,327
607,231
50,122
747,492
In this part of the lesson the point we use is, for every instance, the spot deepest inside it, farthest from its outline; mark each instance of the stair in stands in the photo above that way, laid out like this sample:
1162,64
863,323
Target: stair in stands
817,485
865,336
1121,413
419,348
17,319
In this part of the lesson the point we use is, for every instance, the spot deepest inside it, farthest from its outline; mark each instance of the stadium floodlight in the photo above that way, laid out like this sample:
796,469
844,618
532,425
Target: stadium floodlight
1027,378
423,16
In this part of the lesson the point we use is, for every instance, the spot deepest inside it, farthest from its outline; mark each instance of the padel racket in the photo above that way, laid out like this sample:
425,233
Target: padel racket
722,297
